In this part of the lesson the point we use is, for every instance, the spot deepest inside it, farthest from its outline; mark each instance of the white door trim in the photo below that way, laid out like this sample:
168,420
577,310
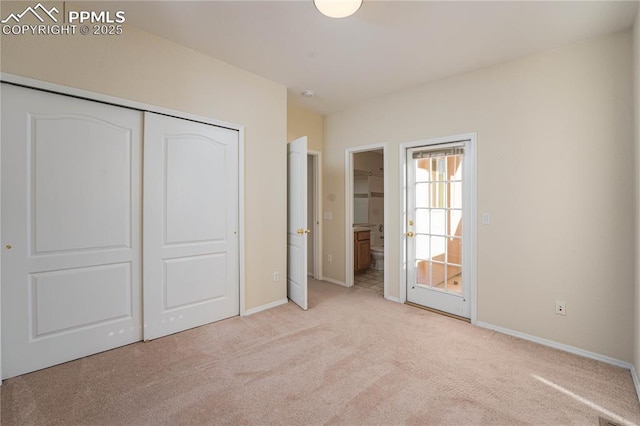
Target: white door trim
241,217
471,231
317,214
348,204
93,96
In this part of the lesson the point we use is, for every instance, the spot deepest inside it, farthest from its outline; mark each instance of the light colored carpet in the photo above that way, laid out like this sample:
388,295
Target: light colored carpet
353,358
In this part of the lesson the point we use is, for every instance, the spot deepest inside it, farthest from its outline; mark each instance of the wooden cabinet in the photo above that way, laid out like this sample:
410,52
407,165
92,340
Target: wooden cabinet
361,250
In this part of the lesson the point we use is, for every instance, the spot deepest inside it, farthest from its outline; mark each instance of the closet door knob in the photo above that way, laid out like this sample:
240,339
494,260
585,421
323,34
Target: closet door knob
409,234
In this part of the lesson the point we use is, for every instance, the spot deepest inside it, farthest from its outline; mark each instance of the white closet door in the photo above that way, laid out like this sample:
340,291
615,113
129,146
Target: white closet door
70,228
190,225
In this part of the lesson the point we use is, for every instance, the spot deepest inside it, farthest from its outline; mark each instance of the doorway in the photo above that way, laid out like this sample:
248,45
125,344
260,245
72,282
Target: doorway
366,216
314,209
439,227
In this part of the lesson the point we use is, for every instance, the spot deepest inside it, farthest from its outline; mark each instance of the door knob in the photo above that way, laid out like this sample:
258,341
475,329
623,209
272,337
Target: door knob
409,234
300,231
307,231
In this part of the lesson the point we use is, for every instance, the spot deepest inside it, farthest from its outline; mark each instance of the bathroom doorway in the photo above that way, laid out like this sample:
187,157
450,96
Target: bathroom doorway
366,210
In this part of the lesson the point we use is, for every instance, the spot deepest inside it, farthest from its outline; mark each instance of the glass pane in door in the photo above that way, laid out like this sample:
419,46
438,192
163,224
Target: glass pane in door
438,222
435,208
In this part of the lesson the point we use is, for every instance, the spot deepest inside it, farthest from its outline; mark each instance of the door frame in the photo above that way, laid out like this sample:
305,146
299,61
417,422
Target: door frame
470,230
348,207
317,213
121,102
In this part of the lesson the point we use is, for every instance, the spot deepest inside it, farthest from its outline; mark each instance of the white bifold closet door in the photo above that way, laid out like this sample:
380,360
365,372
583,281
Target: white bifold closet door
191,264
72,220
71,179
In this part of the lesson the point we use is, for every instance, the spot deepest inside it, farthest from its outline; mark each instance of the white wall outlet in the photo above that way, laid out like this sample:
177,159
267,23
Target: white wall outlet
486,218
276,276
328,216
329,258
561,307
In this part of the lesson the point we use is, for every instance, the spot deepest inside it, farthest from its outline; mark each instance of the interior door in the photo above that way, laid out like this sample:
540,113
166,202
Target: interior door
297,230
191,259
436,197
71,180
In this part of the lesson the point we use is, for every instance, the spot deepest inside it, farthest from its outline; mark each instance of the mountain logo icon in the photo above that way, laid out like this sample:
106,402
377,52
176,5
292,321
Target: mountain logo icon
34,11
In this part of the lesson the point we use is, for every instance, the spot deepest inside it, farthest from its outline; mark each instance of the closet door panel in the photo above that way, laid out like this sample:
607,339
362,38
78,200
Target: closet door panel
71,181
191,261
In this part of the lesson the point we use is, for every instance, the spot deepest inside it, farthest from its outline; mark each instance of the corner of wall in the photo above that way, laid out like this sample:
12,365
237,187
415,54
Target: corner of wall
304,122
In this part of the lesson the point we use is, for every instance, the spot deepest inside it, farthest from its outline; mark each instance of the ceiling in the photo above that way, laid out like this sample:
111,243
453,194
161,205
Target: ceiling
387,46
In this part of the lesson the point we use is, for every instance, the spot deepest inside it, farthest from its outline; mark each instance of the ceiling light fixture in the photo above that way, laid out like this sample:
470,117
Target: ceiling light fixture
337,8
308,93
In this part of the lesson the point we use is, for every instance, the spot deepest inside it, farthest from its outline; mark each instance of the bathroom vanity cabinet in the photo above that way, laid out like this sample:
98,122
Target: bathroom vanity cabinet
361,250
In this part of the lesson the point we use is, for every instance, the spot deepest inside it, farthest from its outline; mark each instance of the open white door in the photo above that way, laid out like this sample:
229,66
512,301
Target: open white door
297,222
190,259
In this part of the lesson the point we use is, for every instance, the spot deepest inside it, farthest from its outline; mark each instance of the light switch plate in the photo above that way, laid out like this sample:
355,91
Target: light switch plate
486,219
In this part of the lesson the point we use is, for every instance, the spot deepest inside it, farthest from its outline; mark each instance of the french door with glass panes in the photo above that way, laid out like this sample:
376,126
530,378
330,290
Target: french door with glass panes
435,210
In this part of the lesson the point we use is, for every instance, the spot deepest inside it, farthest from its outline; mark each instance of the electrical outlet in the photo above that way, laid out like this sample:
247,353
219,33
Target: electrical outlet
276,276
561,308
329,258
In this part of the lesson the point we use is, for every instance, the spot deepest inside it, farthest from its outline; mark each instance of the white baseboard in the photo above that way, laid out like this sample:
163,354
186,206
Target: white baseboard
557,345
331,280
636,382
265,307
393,299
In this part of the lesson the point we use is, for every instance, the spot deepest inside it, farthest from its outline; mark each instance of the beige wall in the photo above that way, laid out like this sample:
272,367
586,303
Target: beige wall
557,232
636,51
142,67
303,122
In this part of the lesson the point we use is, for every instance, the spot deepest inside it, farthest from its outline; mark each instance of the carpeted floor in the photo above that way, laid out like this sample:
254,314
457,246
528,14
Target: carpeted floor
353,358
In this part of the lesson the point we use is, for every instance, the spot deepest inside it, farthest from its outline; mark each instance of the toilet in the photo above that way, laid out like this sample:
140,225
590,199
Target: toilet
377,258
